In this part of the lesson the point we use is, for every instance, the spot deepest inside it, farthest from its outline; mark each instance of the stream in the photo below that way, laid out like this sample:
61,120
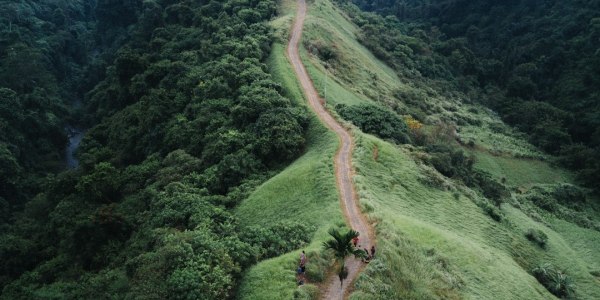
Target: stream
75,135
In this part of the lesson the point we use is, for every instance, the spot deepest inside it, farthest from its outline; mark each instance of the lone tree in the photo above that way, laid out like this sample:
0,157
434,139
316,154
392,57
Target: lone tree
342,247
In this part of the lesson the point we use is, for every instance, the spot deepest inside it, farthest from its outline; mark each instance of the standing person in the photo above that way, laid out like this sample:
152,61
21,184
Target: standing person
355,241
373,251
367,257
303,261
302,269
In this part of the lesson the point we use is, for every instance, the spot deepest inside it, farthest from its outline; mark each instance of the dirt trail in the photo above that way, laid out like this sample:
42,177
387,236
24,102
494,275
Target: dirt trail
343,163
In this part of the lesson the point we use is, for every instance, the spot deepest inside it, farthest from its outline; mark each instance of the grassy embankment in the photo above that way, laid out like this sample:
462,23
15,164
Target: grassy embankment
436,242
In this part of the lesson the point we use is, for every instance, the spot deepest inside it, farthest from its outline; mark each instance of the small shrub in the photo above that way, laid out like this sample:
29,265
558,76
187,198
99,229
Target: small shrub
544,202
471,143
432,179
537,236
491,211
554,280
323,50
317,266
306,292
456,196
375,120
570,196
490,188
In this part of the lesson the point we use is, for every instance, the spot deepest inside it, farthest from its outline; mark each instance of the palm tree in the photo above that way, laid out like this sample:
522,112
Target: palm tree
342,247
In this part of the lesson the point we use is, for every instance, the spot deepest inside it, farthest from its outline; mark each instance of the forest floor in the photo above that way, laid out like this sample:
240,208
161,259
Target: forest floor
343,163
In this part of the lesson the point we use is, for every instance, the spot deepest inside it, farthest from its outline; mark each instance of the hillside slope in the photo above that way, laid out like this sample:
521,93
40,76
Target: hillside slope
439,237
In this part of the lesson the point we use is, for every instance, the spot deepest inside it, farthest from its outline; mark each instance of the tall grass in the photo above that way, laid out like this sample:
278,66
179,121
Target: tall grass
486,259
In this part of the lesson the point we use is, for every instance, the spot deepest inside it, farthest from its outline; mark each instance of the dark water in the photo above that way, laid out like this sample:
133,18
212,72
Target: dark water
75,135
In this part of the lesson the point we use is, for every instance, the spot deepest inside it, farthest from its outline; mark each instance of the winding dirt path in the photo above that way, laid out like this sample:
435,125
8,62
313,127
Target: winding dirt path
343,164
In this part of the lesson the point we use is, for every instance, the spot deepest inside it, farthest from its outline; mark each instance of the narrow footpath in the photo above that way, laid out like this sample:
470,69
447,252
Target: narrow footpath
343,164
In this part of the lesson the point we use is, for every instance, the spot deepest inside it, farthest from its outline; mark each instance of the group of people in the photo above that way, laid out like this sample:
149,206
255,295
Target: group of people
368,256
301,271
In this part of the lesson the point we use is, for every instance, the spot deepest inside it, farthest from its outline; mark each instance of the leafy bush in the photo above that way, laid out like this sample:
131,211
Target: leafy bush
544,202
491,211
537,236
569,195
452,162
490,188
278,238
555,281
374,120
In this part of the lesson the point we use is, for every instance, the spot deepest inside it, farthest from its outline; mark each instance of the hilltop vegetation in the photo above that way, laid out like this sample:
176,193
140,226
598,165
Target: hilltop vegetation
45,56
184,121
534,62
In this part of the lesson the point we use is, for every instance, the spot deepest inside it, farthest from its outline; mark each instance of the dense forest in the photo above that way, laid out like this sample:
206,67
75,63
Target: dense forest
184,119
536,63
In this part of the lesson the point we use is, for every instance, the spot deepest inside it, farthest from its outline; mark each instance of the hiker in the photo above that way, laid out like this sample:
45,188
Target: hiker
302,268
355,240
303,261
373,251
367,257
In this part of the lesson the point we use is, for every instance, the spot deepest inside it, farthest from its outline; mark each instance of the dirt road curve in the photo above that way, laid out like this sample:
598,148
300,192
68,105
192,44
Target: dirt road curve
342,162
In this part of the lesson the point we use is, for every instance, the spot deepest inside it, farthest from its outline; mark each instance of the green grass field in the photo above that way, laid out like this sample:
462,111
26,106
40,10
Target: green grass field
520,171
433,243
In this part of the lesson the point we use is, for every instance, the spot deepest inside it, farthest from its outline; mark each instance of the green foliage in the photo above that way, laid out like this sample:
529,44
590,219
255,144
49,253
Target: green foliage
101,184
565,201
446,46
184,121
341,246
44,53
306,292
492,211
544,122
557,282
278,238
453,162
450,161
584,159
375,120
537,236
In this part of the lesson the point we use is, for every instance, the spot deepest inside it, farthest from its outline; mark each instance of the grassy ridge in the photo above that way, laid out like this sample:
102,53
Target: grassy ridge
304,191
